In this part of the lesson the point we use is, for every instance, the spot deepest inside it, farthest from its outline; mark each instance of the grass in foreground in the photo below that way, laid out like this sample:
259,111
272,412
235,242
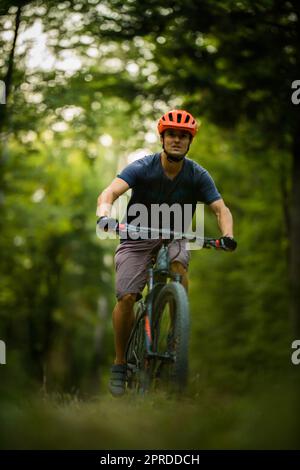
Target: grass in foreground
260,420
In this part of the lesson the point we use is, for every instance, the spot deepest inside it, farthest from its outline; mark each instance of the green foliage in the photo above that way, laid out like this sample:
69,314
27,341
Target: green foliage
239,301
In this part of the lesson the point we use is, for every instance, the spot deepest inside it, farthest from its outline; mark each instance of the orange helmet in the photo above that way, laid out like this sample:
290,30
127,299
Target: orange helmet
178,119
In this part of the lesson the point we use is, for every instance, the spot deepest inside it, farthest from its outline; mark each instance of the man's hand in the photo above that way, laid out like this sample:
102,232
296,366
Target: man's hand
227,243
108,224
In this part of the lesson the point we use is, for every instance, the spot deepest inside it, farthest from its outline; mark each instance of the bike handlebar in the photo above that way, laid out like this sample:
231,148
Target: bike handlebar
205,242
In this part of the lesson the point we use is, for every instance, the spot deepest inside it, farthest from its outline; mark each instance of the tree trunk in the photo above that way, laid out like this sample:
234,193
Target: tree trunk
3,109
295,233
295,202
9,73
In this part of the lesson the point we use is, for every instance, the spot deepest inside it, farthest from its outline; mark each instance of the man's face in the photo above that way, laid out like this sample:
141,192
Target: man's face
176,142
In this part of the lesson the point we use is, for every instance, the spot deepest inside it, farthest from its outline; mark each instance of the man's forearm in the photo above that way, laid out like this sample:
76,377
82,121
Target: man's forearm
225,222
104,203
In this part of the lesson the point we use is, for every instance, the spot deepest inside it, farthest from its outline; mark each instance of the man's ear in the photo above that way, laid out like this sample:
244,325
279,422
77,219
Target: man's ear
161,139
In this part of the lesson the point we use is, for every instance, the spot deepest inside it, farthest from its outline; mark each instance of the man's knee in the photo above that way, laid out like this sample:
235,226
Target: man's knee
178,267
128,299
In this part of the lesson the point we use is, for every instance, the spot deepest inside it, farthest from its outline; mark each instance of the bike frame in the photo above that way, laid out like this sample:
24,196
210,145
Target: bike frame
157,278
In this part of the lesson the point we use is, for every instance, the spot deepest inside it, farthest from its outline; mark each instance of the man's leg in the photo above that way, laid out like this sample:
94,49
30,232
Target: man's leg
180,257
131,261
123,319
177,267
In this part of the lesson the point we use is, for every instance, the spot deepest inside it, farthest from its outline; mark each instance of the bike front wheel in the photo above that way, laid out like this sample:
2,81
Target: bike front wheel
170,336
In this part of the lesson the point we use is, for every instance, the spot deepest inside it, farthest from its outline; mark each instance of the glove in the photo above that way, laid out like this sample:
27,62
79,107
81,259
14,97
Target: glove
226,243
108,224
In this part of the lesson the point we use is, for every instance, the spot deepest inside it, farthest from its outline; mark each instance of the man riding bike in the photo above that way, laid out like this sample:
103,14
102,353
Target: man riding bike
167,177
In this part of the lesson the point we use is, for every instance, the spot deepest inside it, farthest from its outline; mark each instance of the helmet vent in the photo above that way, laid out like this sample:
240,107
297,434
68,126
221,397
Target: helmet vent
179,117
170,117
187,118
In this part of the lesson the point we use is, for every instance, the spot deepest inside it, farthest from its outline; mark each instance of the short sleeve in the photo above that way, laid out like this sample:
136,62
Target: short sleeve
132,173
206,189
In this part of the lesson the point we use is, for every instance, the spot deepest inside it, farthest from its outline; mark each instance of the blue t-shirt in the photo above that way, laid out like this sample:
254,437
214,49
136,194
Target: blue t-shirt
151,187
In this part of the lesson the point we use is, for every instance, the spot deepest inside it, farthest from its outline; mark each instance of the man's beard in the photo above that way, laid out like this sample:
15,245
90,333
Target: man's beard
175,158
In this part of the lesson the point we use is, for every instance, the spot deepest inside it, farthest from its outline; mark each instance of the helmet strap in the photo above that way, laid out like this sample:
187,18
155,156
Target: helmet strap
173,159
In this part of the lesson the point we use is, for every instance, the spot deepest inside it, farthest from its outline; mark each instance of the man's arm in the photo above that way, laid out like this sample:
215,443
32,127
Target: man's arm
224,217
109,195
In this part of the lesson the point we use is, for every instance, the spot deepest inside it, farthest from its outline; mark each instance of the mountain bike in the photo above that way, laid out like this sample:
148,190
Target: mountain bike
157,352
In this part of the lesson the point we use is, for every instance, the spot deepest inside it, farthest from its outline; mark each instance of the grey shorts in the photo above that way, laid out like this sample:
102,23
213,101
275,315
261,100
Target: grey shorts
133,258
